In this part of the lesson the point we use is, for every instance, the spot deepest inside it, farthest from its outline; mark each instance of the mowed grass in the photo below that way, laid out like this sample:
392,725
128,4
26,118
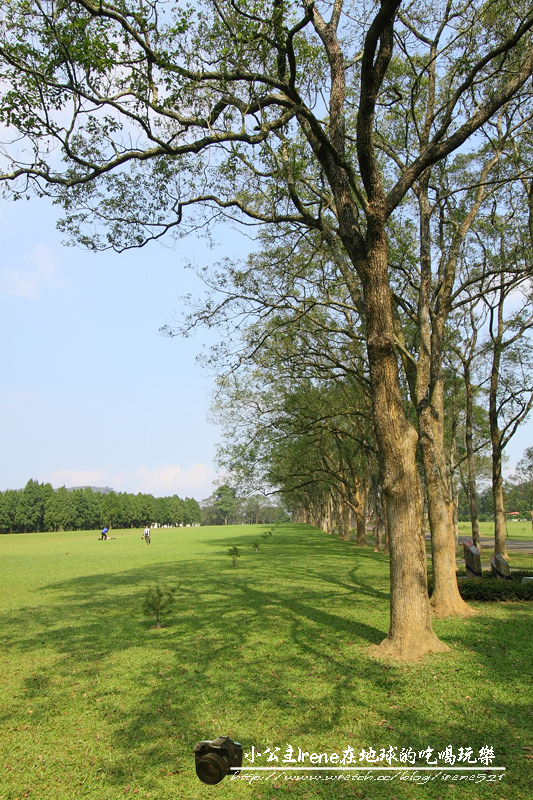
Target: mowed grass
95,703
514,530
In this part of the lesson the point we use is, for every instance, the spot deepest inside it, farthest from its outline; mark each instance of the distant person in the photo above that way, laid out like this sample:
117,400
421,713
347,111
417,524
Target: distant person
104,534
147,535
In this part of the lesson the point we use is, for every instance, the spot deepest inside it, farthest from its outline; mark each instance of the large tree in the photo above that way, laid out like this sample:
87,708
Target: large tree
30,509
131,113
510,389
495,331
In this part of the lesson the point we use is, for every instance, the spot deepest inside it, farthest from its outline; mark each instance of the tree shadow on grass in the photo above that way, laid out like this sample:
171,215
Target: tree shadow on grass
271,652
233,648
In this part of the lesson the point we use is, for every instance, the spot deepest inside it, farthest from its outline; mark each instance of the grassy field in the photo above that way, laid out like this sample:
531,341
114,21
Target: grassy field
515,530
96,703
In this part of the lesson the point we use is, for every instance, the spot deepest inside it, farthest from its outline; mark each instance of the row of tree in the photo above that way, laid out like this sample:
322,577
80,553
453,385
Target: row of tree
312,438
38,507
227,507
384,152
518,497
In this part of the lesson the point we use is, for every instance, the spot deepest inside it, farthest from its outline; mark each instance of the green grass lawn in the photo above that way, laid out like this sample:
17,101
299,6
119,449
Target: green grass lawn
96,703
515,530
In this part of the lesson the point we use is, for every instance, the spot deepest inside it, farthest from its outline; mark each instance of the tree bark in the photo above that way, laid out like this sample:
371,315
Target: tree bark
378,534
379,525
346,517
445,600
469,436
360,497
410,635
497,328
429,400
500,541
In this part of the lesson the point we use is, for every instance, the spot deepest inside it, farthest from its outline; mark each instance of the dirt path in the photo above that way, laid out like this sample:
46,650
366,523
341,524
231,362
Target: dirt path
513,545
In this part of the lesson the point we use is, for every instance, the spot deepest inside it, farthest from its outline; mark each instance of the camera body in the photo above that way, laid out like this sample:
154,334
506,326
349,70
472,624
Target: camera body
215,758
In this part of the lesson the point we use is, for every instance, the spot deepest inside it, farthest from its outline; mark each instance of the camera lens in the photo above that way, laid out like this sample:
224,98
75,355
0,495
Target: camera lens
211,768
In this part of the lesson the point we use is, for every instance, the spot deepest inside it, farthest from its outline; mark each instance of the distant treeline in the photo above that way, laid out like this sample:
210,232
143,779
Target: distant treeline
518,497
40,507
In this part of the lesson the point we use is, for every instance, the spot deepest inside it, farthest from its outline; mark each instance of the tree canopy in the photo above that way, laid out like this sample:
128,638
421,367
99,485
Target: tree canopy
132,113
38,507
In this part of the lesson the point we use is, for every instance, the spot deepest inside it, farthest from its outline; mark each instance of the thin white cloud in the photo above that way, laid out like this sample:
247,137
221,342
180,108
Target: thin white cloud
70,478
195,481
28,279
167,480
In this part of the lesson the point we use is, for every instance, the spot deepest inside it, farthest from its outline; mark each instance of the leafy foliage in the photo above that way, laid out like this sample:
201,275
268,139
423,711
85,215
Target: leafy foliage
158,602
490,590
235,553
38,507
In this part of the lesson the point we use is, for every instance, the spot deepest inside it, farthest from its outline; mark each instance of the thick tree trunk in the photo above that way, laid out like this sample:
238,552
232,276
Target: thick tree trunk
339,516
346,517
428,392
328,525
500,541
378,534
361,529
410,635
361,497
379,525
330,516
445,600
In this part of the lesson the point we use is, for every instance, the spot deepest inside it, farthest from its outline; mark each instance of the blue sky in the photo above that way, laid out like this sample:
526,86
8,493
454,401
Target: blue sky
91,392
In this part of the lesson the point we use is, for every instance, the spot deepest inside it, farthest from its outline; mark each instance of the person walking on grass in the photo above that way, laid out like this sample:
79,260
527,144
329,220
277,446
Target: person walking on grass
147,535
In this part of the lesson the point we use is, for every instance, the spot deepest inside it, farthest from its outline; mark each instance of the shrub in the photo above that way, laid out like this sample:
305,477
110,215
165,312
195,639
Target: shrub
158,602
489,589
234,552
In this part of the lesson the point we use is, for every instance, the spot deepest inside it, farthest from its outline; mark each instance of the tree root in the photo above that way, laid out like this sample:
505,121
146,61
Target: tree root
409,648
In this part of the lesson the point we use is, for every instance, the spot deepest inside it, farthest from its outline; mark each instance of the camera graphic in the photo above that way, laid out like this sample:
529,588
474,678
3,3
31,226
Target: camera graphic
214,759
